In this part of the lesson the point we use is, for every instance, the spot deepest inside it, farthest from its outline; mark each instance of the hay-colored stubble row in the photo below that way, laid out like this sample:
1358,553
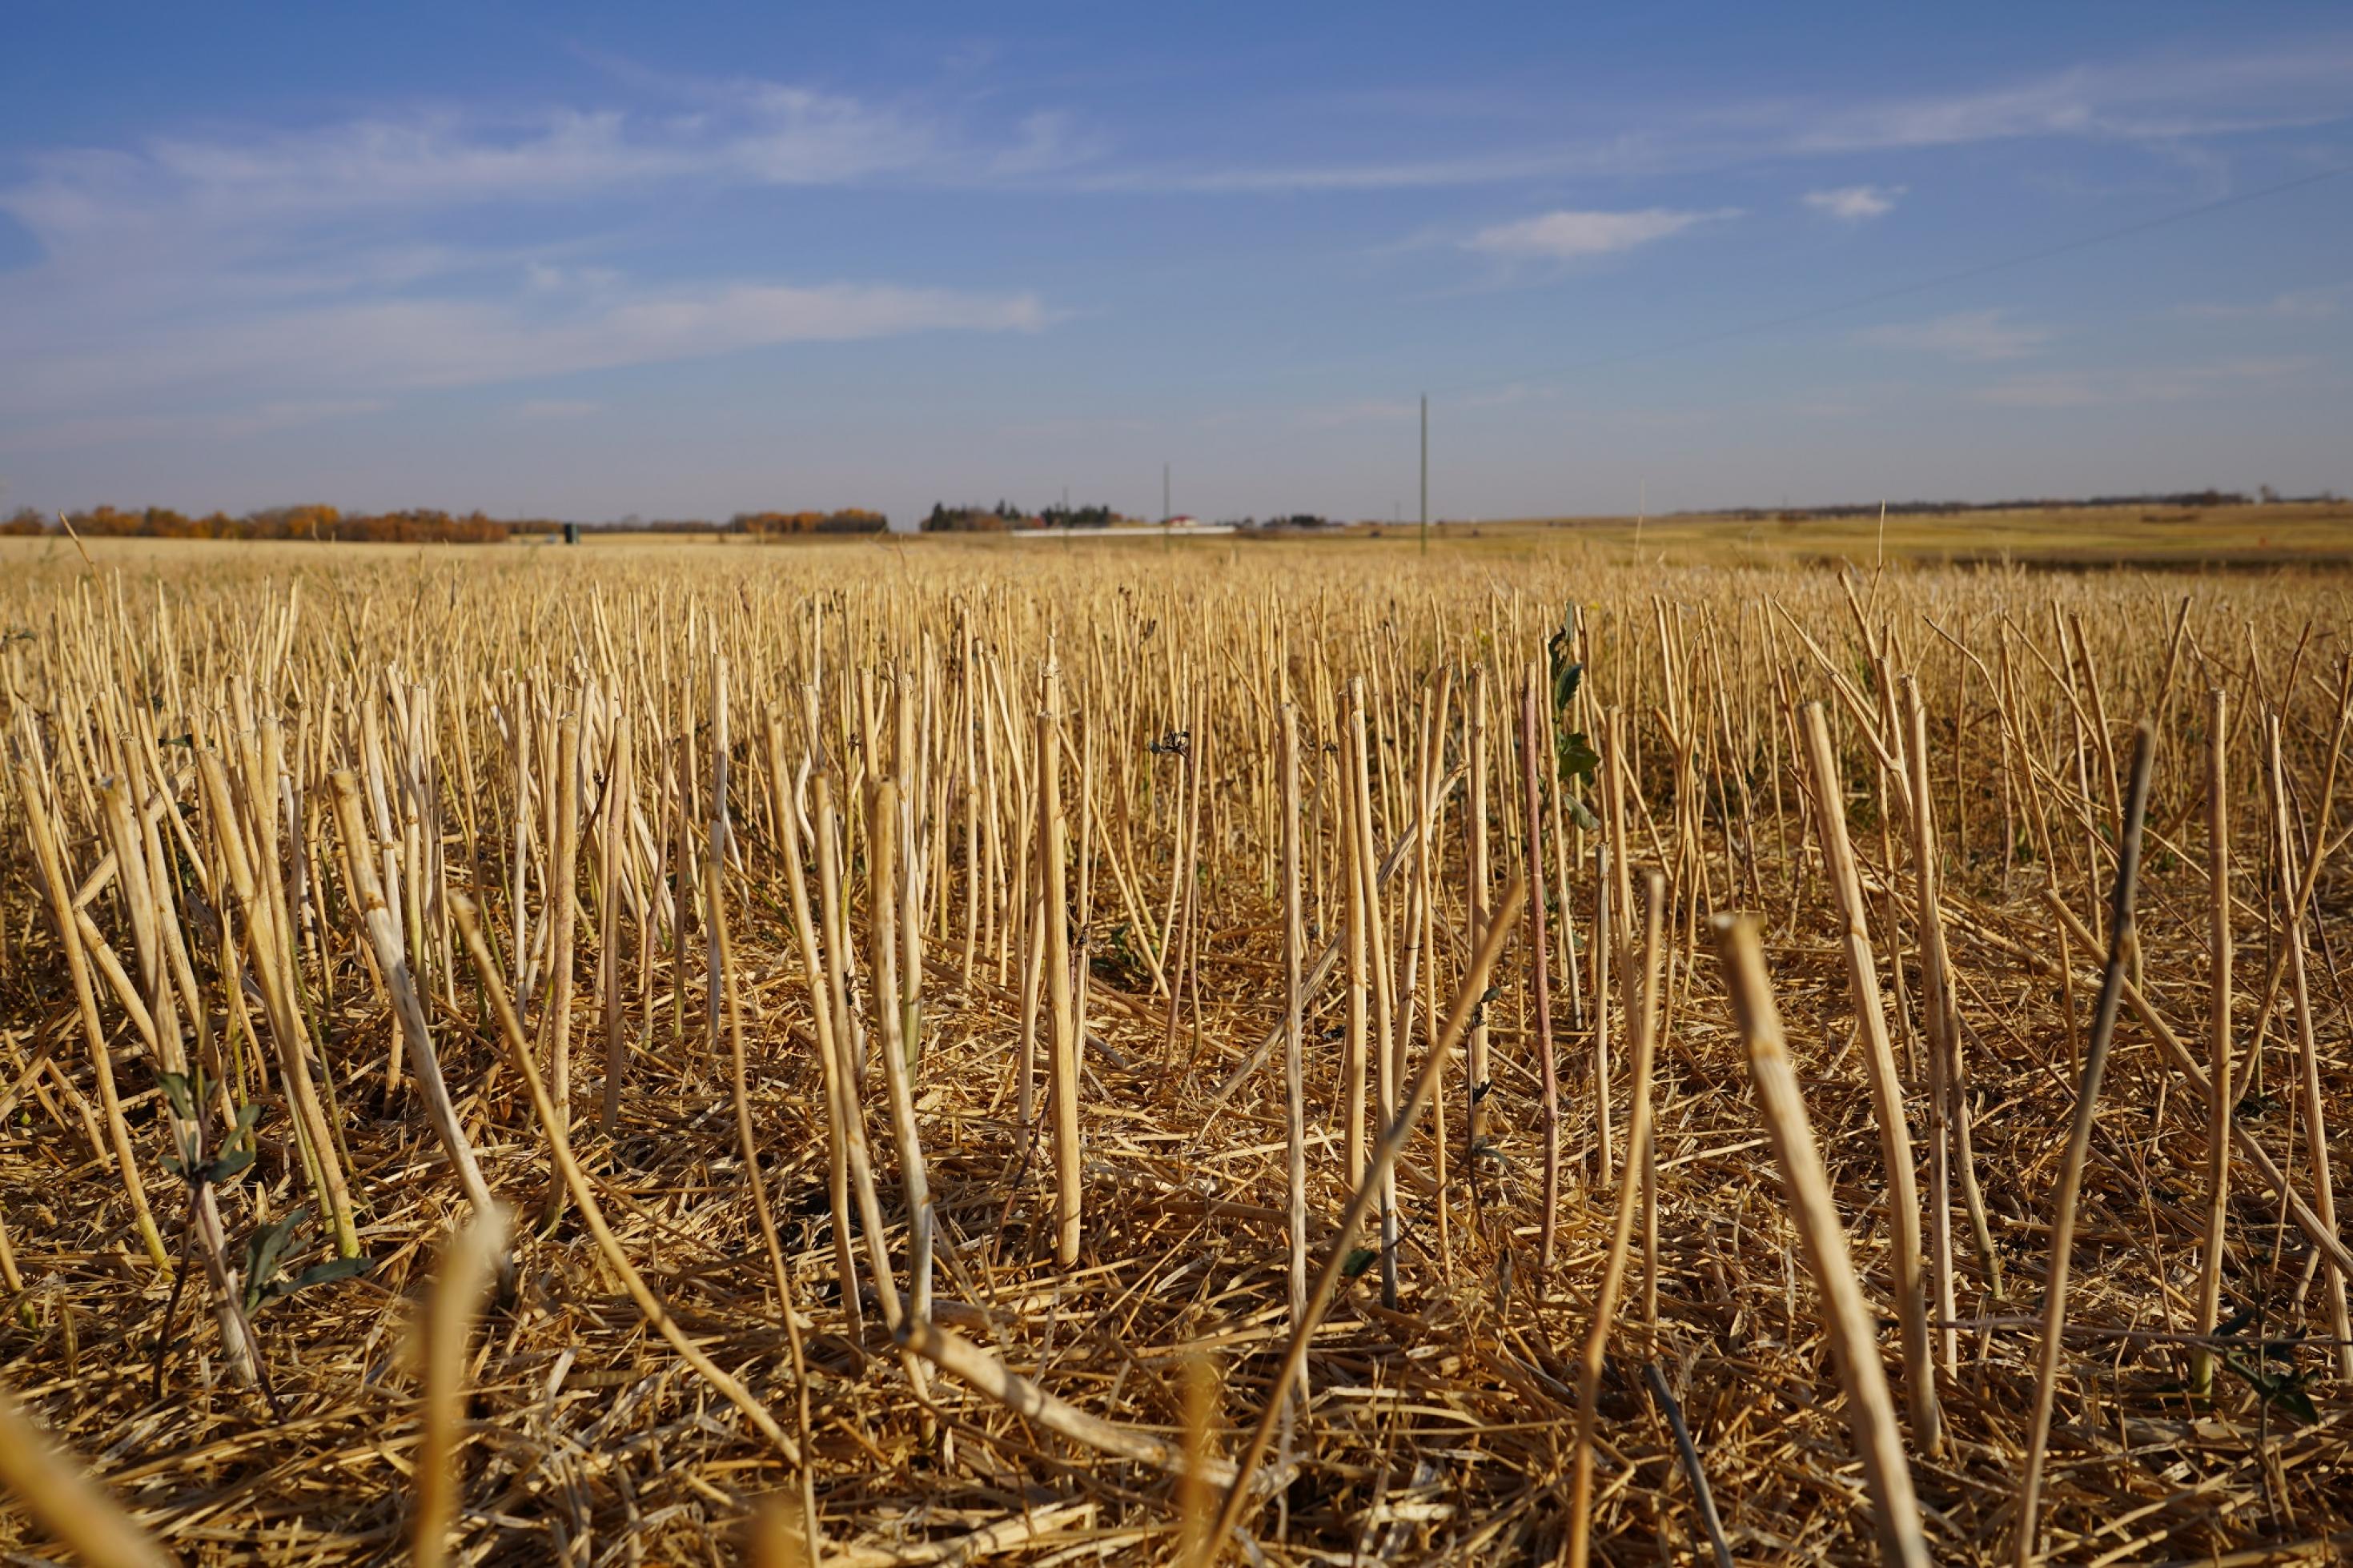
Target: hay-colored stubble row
916,1002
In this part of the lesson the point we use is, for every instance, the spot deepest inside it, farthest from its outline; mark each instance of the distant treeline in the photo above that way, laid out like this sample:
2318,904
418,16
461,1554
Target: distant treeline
327,523
848,520
1005,517
416,525
1295,520
2178,499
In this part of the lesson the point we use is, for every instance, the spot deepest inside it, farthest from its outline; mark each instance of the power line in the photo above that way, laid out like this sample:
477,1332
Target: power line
1922,286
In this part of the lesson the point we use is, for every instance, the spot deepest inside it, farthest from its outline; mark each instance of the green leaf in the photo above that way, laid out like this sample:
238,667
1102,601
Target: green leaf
232,1162
1567,674
327,1272
1359,1261
2285,1389
175,1091
263,1249
1584,818
1576,755
2289,1395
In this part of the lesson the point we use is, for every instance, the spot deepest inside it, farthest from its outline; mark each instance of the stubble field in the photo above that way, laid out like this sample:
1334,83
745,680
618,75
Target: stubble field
1290,1052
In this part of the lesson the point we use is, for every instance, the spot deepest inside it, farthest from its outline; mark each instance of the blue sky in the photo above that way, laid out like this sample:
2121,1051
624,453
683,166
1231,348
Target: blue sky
587,260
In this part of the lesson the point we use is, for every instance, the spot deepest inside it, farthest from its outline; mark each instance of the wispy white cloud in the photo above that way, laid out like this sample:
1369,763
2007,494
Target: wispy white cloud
1049,142
1616,155
1970,336
757,134
2162,384
541,409
2152,98
1854,203
408,344
750,132
287,413
1572,235
282,265
234,423
2164,102
2293,305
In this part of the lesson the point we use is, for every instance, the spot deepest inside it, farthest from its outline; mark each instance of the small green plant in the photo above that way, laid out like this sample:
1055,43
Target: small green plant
265,1260
2283,1390
1574,757
185,1096
263,1276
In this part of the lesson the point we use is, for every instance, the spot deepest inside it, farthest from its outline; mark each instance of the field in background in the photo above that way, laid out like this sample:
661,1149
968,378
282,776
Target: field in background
2287,533
893,1109
2088,536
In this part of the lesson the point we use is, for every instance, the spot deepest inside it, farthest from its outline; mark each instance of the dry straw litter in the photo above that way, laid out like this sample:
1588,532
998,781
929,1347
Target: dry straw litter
1264,1053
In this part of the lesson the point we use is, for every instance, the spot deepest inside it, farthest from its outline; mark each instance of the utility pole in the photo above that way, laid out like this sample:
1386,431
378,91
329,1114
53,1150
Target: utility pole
1425,473
1164,513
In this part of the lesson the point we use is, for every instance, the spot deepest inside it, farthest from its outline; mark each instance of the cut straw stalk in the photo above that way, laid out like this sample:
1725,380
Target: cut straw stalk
1702,1496
1642,1019
1294,1101
61,896
1539,976
392,968
786,808
2309,877
1326,959
468,1259
618,796
66,1501
1871,1413
834,1000
1385,1155
747,1141
584,1198
562,897
1356,1041
2121,938
1195,1491
970,1364
1938,1004
2323,1237
1063,1041
1374,929
2315,1124
1476,877
1886,1083
883,948
2224,1098
266,953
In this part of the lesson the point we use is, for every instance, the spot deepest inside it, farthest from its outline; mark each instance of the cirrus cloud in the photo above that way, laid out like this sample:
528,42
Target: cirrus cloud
1973,337
251,269
1854,203
1570,235
414,344
2145,383
2294,305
